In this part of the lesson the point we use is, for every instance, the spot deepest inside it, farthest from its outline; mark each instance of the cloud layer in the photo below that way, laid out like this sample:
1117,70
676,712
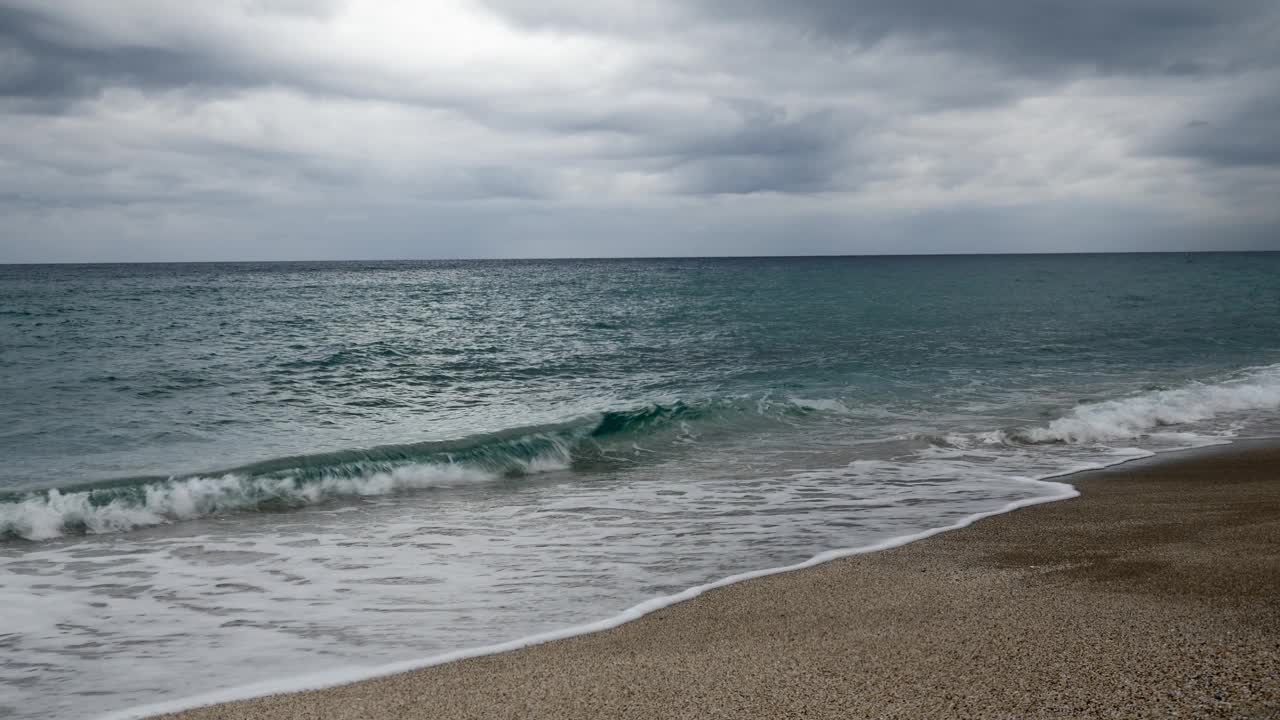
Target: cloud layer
274,129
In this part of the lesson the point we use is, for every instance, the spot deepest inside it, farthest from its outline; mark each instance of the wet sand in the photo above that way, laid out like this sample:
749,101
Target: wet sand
1155,594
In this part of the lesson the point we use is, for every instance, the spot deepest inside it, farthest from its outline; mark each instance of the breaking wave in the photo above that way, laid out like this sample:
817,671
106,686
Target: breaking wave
1140,415
583,445
53,513
294,482
1144,415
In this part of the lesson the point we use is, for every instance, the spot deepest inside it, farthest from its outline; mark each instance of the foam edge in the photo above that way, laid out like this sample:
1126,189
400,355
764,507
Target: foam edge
335,678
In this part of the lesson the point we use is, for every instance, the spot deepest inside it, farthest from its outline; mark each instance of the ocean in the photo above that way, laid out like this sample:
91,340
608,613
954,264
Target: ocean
223,479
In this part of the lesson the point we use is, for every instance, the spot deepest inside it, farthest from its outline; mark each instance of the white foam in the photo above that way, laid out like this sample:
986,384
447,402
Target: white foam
47,515
315,681
821,404
1136,416
1142,416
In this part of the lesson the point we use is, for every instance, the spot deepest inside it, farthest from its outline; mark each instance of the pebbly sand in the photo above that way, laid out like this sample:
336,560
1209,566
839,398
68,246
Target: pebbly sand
1155,594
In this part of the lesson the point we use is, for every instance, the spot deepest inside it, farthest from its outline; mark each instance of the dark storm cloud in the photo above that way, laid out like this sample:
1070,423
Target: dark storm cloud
1246,135
765,129
49,58
766,151
749,146
44,60
1030,46
1114,36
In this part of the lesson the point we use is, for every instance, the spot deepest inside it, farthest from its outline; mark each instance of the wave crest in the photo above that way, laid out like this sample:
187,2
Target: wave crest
1134,417
294,482
287,483
51,514
1137,416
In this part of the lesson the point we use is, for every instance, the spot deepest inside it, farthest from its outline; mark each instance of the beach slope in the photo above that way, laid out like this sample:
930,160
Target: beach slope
1154,594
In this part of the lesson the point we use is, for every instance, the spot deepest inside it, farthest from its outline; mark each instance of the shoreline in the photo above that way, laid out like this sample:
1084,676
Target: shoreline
266,700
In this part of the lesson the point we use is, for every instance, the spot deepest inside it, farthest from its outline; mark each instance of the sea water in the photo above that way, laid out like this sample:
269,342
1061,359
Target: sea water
220,479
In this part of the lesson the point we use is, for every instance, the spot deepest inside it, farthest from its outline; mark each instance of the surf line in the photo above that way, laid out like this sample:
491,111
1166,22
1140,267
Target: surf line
1057,491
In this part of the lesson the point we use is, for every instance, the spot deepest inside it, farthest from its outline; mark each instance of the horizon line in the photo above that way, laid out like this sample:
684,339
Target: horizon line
639,257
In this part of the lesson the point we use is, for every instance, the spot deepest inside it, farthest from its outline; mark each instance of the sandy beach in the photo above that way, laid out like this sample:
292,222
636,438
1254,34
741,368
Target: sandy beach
1155,594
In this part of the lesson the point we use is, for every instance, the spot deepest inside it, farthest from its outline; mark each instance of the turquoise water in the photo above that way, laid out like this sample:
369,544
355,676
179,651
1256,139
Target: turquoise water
216,474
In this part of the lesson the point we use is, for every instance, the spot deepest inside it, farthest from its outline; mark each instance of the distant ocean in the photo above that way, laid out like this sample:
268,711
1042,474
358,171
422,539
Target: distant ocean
219,475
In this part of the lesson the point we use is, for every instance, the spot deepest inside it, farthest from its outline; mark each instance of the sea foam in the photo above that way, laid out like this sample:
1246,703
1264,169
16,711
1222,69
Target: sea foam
53,513
1133,417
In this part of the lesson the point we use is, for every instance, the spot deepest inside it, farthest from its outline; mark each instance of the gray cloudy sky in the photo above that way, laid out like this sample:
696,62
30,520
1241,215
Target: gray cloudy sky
281,129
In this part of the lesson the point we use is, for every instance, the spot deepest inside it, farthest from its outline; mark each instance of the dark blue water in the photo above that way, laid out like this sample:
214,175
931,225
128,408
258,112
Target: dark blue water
250,467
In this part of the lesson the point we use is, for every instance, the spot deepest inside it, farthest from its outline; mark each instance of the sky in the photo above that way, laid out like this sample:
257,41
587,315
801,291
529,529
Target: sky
141,130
